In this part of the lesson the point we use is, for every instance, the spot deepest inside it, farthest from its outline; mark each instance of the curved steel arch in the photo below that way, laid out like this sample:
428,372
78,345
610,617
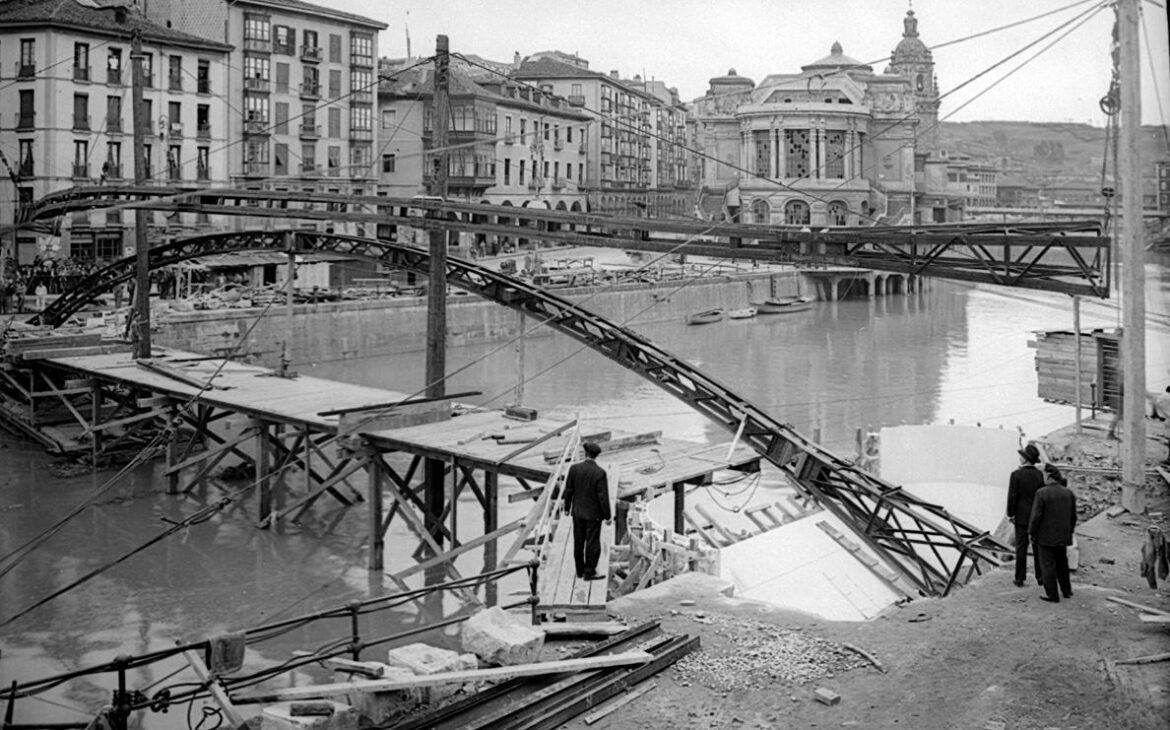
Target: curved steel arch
932,548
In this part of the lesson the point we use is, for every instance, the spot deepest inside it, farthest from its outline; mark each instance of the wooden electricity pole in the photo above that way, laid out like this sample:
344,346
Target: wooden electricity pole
1133,276
436,367
141,250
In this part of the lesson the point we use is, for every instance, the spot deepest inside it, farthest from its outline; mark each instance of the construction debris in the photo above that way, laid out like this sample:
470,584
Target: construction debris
497,637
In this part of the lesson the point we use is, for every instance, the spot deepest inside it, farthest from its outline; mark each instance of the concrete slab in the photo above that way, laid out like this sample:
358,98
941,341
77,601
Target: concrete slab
498,637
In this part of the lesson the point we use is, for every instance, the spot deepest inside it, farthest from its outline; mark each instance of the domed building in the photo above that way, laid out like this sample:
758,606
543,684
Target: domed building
832,145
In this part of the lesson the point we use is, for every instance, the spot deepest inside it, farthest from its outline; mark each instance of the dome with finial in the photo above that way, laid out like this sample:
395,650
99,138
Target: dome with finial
910,48
835,61
731,80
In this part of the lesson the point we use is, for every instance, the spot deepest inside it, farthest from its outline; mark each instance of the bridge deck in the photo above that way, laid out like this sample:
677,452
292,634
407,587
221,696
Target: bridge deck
560,588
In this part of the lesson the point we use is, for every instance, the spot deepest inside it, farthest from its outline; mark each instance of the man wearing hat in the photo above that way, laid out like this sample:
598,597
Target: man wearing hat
1054,515
587,499
1022,487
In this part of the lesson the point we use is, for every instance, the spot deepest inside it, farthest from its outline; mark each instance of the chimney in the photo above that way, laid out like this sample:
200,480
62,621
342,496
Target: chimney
613,74
516,58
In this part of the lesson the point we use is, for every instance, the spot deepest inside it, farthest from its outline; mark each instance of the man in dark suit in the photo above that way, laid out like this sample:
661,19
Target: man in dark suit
587,499
1054,515
1022,487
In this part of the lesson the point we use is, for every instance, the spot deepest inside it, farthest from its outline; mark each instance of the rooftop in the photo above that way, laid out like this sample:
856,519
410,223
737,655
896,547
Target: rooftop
93,17
311,9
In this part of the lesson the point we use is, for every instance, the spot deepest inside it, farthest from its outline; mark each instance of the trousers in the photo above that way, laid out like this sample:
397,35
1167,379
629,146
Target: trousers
1022,555
586,545
1054,570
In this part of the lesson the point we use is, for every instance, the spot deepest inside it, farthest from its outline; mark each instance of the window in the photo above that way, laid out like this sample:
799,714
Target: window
256,109
113,165
281,78
334,48
361,119
361,49
147,69
255,67
174,162
175,73
835,156
25,161
547,126
333,160
360,161
361,80
569,171
796,213
761,211
203,76
284,40
81,111
523,132
569,135
81,62
175,117
308,115
280,159
334,83
280,109
544,170
147,165
80,158
507,171
113,114
203,120
25,118
309,39
520,177
389,118
388,163
312,83
256,27
334,122
114,66
508,129
796,151
28,58
308,157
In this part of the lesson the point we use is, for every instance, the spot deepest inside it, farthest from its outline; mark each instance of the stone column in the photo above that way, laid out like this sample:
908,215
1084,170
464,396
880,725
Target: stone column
820,147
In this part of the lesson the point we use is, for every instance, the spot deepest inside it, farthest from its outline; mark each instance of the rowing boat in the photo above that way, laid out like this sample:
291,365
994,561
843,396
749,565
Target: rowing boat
707,317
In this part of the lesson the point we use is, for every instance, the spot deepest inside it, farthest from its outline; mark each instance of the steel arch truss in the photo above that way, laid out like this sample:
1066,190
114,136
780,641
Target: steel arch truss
931,547
1070,257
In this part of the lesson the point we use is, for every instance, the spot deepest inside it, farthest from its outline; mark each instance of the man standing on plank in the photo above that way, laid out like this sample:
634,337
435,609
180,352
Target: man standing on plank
587,500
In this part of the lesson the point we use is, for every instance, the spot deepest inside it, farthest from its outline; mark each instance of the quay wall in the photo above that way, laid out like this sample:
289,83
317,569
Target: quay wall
344,330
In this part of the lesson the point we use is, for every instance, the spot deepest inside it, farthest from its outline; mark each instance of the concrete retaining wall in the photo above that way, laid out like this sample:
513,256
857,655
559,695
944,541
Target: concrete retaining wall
343,330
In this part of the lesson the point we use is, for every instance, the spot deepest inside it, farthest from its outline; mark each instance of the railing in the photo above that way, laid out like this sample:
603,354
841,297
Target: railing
362,134
255,126
113,125
203,131
256,85
80,169
309,169
174,172
310,130
25,169
311,54
175,82
113,172
576,100
82,73
310,91
114,76
81,122
203,172
25,70
256,169
176,129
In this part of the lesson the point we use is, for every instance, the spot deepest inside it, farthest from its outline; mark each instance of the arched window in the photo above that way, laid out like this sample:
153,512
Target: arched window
561,205
838,213
796,213
576,208
761,212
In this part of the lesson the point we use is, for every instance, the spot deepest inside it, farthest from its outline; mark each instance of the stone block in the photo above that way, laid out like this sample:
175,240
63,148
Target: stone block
498,637
382,707
421,660
826,696
279,716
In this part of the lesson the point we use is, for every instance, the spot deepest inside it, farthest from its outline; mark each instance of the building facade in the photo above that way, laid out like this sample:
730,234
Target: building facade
65,83
833,145
636,164
302,92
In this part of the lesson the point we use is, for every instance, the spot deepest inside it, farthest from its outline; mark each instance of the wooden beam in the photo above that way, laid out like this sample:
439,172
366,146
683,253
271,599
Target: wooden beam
723,532
492,674
235,719
548,436
455,552
699,529
1138,606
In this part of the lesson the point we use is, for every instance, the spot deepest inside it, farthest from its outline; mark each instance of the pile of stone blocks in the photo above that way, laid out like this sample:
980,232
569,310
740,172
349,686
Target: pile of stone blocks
421,660
329,716
498,637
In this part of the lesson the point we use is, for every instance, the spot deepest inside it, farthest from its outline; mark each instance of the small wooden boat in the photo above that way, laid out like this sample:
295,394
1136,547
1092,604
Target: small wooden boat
783,306
745,313
707,317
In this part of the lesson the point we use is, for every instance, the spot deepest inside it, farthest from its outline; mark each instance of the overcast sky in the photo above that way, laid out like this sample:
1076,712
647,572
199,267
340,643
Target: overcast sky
686,42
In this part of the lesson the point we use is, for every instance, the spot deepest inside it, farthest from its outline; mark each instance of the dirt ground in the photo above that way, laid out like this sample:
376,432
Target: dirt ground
990,657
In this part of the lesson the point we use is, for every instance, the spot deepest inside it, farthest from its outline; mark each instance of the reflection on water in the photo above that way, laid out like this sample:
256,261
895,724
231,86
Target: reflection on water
952,352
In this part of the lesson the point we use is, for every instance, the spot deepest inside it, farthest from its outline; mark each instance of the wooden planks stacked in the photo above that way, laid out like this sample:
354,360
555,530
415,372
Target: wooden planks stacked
1056,363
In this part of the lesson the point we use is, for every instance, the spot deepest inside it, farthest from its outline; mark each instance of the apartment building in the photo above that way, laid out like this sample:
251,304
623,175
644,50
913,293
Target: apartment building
637,163
301,92
65,88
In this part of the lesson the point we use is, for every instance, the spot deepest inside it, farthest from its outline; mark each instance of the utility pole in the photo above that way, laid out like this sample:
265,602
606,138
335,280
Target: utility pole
141,251
1132,253
436,368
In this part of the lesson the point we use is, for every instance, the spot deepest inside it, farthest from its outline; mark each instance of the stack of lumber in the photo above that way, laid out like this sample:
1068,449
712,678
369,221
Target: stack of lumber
41,343
652,553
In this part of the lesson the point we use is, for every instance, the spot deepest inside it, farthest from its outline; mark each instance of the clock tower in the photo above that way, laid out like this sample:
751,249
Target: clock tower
912,59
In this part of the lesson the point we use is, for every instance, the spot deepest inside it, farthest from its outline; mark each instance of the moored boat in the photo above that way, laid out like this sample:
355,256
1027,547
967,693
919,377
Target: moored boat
706,317
783,306
745,313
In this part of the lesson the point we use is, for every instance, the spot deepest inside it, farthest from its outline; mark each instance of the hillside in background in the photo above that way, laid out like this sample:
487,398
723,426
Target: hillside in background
1048,151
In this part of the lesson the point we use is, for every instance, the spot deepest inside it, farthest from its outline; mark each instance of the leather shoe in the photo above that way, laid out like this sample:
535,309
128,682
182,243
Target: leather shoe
595,576
1050,599
1068,595
1018,583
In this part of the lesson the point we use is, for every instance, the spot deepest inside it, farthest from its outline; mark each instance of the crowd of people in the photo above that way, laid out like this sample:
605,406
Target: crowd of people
22,285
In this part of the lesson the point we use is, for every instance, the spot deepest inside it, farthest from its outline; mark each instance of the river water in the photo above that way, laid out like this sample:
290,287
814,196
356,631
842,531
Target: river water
953,352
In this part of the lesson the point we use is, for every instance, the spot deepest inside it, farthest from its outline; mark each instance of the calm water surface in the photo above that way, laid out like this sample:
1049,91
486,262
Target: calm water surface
952,353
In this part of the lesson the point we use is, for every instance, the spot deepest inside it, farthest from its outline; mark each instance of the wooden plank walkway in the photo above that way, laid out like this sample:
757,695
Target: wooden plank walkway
560,588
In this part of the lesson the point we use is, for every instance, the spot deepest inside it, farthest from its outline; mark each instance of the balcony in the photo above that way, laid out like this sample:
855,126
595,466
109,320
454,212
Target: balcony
558,145
311,54
25,70
558,184
366,61
25,121
203,86
174,172
310,91
114,76
257,44
203,131
534,185
576,100
25,168
309,169
174,82
113,125
310,130
255,126
82,73
255,169
112,172
176,129
362,96
260,85
202,173
81,123
361,134
80,170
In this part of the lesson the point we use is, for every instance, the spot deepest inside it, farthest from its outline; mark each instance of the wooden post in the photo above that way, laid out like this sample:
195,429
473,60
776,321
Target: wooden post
436,361
680,504
491,522
141,251
95,414
173,450
263,451
1077,331
519,394
377,539
1133,279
